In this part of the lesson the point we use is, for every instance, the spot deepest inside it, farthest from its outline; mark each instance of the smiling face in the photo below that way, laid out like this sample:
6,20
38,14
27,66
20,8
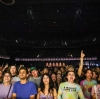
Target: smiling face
7,78
34,73
71,77
88,74
23,74
46,80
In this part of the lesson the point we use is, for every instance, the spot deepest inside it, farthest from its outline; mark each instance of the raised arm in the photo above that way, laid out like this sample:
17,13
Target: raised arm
6,66
81,64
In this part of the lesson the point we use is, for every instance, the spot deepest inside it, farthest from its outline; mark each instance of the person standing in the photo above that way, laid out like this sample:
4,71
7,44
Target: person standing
87,84
69,89
24,89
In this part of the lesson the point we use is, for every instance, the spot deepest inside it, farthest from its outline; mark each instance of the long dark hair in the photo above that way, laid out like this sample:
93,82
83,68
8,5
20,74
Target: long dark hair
42,86
98,80
16,69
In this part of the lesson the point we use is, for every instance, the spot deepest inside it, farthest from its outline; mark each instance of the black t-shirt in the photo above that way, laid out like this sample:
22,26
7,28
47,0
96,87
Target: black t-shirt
79,79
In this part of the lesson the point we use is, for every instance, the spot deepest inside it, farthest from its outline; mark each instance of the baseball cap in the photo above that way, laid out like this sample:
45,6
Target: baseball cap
33,68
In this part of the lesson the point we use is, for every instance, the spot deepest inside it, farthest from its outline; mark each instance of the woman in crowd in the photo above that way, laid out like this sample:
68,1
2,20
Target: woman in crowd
96,91
95,75
54,79
46,90
6,87
14,73
59,79
87,84
59,72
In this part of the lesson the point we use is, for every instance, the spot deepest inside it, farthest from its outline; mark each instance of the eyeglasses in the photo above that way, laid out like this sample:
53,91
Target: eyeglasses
6,76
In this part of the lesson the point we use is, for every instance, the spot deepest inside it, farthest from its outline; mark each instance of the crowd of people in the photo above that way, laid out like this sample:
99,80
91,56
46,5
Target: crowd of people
59,83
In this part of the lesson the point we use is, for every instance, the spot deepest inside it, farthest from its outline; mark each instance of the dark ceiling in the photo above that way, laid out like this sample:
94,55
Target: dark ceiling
49,27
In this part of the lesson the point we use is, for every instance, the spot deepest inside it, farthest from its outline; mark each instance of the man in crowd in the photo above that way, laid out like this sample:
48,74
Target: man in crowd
34,76
69,89
24,89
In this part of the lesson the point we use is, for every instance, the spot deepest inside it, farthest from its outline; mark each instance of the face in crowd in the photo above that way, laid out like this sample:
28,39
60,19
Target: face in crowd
23,74
45,70
46,79
59,78
34,73
94,75
71,76
89,74
13,70
7,78
98,69
55,69
62,69
54,77
59,72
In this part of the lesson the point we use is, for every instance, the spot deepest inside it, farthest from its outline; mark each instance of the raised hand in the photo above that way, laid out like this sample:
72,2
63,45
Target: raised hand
6,66
82,54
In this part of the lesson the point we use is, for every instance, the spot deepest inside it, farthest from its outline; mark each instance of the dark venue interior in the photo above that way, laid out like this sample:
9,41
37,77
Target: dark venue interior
34,32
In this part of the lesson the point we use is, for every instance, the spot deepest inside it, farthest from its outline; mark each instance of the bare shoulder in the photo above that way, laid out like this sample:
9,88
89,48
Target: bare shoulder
39,89
54,89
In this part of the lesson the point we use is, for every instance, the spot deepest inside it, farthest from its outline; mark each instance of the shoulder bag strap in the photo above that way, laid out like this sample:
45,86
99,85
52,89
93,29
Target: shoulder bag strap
9,90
